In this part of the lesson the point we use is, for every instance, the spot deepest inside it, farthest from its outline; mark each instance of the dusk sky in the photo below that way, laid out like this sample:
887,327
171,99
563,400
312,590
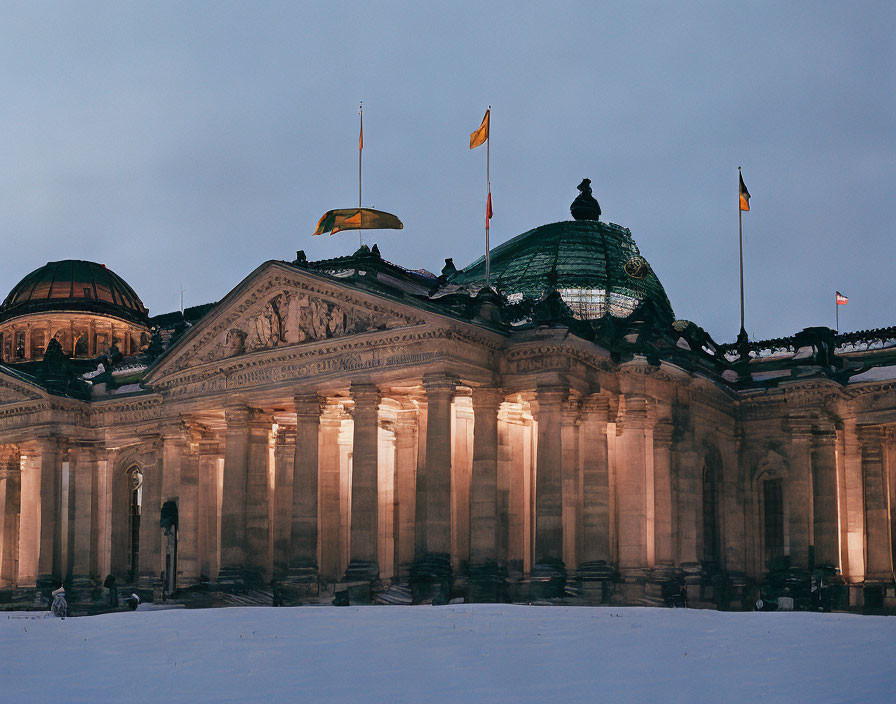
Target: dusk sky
187,143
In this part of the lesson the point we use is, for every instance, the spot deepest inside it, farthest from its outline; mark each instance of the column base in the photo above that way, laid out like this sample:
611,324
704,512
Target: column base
487,583
43,590
548,580
632,590
663,587
597,581
237,579
431,579
298,585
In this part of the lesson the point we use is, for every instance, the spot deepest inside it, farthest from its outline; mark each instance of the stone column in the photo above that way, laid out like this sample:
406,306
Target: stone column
50,552
151,555
439,394
330,505
234,559
11,474
570,481
549,571
631,485
798,494
363,565
305,481
662,487
595,481
405,489
188,527
208,508
284,459
420,488
303,559
878,558
258,525
484,482
82,464
824,485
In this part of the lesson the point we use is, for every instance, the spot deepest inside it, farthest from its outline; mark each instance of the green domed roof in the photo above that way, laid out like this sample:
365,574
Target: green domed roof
74,285
596,267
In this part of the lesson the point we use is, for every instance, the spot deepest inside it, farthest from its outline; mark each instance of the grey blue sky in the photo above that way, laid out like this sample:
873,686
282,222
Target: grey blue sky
189,142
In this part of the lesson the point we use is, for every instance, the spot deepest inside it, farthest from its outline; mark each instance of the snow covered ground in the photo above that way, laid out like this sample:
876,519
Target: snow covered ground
492,653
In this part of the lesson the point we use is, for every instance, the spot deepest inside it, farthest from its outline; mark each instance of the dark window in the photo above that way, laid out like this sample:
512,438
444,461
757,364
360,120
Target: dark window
711,538
773,504
88,293
136,487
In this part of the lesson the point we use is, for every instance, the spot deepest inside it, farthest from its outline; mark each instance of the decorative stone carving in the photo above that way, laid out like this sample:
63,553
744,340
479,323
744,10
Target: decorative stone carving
294,317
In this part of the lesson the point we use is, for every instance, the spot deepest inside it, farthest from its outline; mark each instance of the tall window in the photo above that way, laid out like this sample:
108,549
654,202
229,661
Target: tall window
135,483
773,518
711,537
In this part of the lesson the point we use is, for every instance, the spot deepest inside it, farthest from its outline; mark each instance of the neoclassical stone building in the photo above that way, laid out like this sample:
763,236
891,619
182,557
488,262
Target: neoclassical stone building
350,421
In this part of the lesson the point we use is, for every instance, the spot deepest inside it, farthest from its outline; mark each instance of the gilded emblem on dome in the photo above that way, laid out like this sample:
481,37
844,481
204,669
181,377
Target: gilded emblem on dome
637,267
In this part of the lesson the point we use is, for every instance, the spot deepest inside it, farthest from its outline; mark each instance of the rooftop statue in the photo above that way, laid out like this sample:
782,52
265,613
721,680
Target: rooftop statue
585,206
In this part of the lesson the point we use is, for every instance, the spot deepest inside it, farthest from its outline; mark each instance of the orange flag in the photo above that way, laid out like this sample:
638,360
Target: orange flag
478,137
488,209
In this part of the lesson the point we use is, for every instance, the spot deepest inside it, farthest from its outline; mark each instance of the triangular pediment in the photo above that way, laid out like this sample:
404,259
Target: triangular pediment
278,306
14,390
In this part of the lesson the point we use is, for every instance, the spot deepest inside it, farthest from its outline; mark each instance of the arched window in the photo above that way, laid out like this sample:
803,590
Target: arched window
135,502
712,552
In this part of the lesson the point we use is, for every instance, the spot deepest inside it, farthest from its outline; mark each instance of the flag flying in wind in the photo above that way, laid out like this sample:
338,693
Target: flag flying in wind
841,299
479,137
744,195
488,209
361,136
334,221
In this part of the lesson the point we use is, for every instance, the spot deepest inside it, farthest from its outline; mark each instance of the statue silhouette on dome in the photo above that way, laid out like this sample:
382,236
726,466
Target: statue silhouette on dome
585,206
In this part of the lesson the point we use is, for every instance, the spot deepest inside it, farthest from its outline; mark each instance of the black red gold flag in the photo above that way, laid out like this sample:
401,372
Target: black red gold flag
744,195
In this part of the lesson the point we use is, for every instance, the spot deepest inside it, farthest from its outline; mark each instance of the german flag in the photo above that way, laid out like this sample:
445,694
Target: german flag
479,137
744,194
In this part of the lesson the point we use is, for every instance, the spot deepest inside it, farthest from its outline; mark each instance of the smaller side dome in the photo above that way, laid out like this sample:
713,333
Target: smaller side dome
74,285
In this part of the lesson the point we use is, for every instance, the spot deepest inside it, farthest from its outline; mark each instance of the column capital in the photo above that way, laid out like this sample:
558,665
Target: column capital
596,407
365,394
308,404
286,435
569,411
800,427
439,383
487,397
209,446
636,412
237,414
871,437
825,434
662,434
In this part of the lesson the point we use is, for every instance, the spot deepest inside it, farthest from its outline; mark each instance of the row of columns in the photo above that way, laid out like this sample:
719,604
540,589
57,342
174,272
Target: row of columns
613,496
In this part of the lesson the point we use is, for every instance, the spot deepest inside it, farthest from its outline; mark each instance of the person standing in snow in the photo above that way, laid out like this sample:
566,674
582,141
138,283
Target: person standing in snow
113,591
133,601
59,608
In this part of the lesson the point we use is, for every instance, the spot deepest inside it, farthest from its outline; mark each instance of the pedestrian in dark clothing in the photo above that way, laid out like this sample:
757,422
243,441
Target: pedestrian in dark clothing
113,591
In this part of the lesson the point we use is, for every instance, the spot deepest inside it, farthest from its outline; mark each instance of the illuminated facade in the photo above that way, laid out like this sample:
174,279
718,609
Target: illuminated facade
350,423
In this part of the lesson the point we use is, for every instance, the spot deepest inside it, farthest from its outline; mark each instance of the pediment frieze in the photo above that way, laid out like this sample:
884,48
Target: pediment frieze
283,309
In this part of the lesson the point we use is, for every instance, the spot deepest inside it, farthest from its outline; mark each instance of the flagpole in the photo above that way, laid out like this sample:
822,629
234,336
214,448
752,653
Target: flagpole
740,239
488,185
360,150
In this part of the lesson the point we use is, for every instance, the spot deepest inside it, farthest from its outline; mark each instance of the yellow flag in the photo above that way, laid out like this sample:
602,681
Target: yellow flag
478,137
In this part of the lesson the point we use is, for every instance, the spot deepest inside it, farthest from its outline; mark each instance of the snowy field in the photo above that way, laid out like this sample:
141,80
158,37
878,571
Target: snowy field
482,653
